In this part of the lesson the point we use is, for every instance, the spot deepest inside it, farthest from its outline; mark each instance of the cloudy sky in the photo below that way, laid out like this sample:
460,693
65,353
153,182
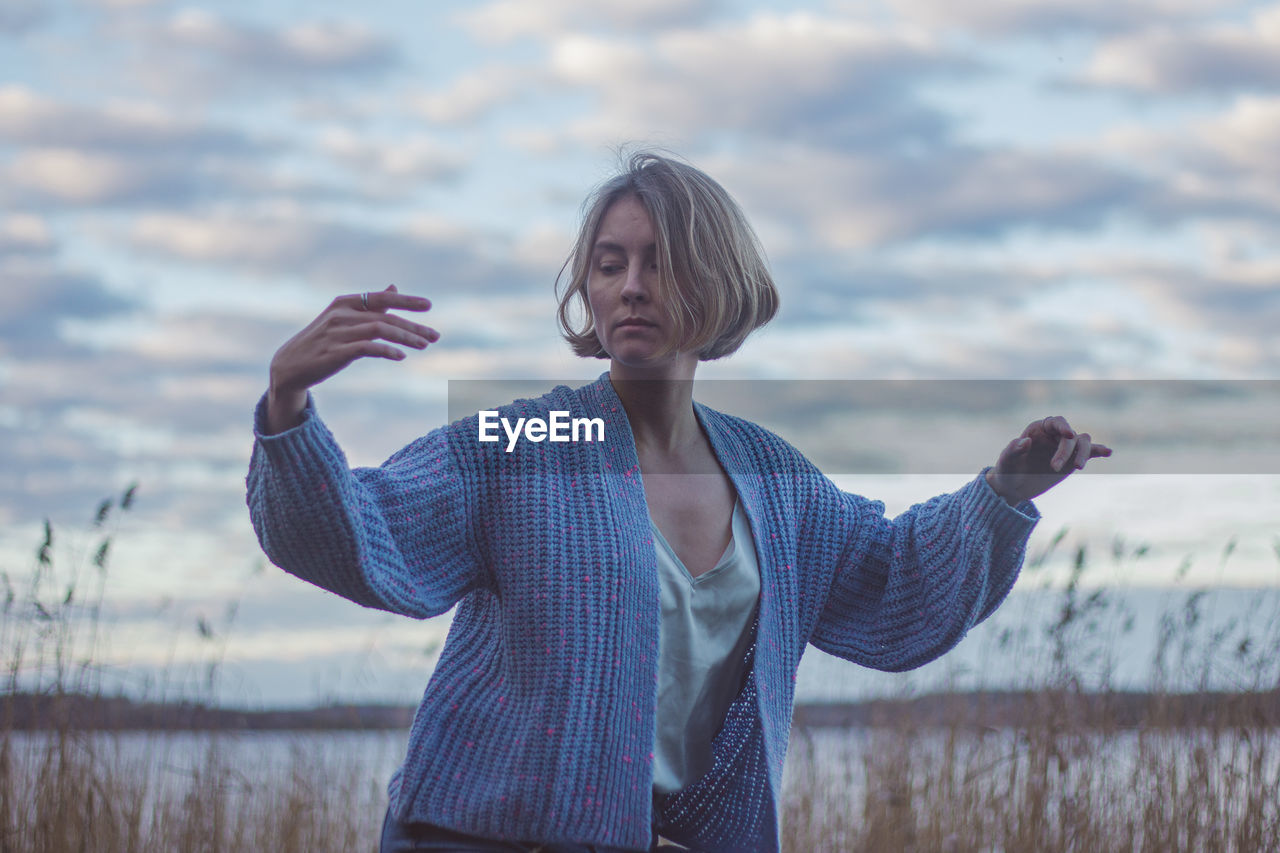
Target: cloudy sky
1057,190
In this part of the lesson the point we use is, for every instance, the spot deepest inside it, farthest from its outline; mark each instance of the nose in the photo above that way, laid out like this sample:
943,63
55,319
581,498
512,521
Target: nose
635,289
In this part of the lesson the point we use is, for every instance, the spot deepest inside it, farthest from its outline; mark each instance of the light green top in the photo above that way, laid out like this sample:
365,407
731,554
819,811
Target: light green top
705,633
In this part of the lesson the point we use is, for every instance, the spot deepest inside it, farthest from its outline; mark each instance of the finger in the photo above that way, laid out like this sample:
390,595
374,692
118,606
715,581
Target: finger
409,326
390,298
1084,447
384,300
1018,447
370,349
350,300
1057,425
366,325
1066,449
386,330
1098,450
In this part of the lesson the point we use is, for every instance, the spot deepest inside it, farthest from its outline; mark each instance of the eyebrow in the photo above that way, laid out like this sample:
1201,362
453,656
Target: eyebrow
610,246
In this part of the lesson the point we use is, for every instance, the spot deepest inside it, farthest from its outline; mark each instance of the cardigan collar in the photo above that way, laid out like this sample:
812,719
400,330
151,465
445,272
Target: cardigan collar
604,399
621,458
621,452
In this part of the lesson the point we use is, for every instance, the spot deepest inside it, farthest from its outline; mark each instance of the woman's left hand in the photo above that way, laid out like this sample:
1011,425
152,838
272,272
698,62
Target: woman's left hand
1044,455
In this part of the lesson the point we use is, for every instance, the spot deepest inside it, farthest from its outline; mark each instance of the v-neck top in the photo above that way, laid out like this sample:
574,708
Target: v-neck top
703,638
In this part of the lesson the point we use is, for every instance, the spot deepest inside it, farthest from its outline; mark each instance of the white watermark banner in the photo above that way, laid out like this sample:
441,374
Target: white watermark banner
960,426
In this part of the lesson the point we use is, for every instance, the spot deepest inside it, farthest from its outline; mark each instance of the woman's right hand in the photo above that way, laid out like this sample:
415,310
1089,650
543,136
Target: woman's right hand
344,332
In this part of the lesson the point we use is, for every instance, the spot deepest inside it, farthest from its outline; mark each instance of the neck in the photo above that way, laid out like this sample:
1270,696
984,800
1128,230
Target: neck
658,403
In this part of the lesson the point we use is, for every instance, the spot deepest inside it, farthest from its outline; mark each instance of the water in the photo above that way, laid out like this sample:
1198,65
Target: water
174,756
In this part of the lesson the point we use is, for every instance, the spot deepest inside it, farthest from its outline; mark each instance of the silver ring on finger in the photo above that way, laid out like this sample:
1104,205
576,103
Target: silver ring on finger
364,301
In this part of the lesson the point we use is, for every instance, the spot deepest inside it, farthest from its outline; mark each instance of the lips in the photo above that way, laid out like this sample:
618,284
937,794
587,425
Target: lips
634,321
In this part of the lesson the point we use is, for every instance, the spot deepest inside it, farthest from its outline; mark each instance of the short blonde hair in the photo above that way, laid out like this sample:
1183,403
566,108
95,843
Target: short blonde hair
712,276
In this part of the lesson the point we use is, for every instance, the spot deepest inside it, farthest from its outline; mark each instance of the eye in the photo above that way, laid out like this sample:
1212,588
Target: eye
609,267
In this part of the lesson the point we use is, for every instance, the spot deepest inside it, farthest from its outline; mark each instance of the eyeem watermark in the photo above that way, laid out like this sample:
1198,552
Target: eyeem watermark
1157,426
559,427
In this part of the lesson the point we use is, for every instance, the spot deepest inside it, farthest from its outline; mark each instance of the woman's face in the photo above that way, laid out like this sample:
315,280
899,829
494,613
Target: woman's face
622,284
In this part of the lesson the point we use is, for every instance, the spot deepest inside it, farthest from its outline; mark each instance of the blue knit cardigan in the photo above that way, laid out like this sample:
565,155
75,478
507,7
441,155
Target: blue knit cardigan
538,722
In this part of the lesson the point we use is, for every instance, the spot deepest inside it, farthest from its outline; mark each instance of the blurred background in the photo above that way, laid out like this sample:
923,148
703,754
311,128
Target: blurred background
1073,191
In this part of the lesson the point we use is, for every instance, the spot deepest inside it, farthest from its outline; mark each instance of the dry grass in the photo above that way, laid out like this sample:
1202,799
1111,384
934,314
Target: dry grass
1040,788
74,797
1065,779
67,789
1075,773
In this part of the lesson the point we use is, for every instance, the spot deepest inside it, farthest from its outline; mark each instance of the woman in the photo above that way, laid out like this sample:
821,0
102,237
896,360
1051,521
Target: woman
630,611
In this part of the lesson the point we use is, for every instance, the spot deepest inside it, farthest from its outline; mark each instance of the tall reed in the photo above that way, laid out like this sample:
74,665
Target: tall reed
1083,767
71,788
1066,765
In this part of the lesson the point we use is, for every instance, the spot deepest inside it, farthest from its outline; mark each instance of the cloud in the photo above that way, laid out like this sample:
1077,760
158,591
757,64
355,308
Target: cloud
131,154
62,175
839,201
198,53
29,118
332,256
507,19
22,16
1232,299
25,234
124,4
406,157
166,397
68,178
1246,139
1150,315
211,341
798,76
1214,59
959,346
478,93
1010,17
1225,164
38,296
108,391
1196,299
313,46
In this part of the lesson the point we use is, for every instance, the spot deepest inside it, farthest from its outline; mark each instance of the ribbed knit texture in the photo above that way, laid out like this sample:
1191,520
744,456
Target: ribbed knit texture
538,722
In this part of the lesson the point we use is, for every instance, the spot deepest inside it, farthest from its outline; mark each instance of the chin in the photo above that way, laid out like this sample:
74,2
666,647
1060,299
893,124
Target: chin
631,352
638,362
644,358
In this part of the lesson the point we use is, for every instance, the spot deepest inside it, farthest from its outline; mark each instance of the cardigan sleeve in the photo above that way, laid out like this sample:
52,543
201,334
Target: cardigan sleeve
907,590
395,537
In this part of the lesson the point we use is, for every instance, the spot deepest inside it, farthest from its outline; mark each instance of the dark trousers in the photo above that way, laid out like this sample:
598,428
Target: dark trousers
400,837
